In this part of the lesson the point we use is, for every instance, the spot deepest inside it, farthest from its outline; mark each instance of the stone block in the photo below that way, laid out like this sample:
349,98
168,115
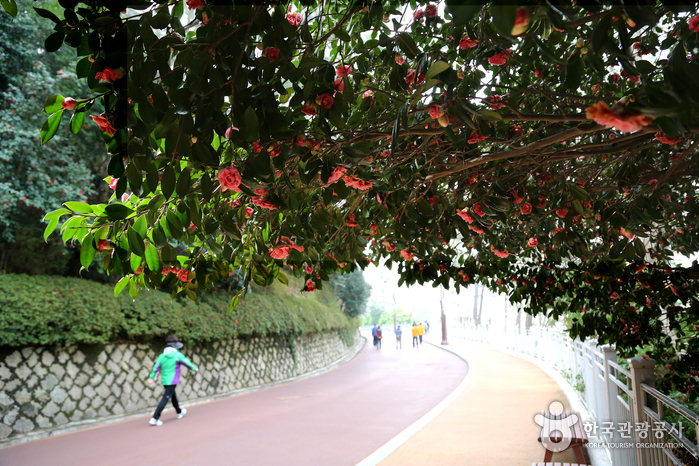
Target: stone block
5,399
58,371
78,357
103,411
32,359
12,385
61,419
90,413
50,410
5,431
89,392
4,372
81,380
95,380
109,379
97,402
58,395
128,353
31,381
142,404
47,359
43,422
83,404
102,357
72,369
116,355
124,367
103,390
68,406
40,370
11,416
100,369
41,395
113,367
30,409
63,357
23,396
77,415
13,359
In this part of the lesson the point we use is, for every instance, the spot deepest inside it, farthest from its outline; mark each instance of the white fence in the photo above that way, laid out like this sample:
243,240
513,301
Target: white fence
626,407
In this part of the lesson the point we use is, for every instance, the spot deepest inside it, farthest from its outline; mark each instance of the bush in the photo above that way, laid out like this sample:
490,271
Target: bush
48,310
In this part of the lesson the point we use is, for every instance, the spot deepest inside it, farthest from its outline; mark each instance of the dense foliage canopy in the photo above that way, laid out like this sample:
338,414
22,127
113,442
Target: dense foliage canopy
546,151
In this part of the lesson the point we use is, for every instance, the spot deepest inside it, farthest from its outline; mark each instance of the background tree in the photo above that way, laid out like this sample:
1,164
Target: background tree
353,291
556,146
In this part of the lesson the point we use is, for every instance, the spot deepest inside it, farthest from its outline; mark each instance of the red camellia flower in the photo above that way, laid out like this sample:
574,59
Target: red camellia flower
230,130
343,70
517,131
480,231
499,58
533,242
113,183
325,100
465,216
339,85
389,247
466,43
309,269
271,52
436,111
407,255
356,183
265,204
626,233
338,173
280,252
249,211
351,222
110,74
624,121
308,109
494,102
399,59
614,295
526,208
195,4
476,137
521,22
229,178
103,244
69,103
293,18
562,212
672,141
538,73
104,124
310,286
431,10
477,209
417,16
183,275
694,24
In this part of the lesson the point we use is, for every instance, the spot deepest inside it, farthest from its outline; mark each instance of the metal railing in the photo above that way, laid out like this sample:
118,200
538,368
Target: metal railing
629,414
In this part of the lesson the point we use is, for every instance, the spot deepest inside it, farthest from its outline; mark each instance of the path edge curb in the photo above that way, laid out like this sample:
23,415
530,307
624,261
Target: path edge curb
392,445
360,343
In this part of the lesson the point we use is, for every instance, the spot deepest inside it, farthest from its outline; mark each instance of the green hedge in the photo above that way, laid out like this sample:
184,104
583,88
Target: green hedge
49,310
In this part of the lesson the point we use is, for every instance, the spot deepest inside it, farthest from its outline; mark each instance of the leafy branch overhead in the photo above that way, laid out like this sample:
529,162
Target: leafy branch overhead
549,153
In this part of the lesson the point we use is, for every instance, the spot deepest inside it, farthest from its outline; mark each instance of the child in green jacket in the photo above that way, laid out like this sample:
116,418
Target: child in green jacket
169,364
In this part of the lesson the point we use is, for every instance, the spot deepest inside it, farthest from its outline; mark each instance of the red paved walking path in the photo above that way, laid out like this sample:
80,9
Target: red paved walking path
337,418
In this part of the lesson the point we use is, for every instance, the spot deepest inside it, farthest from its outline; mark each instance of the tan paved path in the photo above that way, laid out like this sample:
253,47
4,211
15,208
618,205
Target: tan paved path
492,421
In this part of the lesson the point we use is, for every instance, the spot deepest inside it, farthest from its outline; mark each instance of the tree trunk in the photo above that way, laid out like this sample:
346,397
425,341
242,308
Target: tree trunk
480,307
475,307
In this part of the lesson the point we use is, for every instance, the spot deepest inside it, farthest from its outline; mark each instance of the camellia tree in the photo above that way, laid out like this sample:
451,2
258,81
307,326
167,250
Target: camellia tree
548,152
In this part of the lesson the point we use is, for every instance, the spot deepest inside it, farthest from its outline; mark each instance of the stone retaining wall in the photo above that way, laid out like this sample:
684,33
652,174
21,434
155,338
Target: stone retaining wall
44,390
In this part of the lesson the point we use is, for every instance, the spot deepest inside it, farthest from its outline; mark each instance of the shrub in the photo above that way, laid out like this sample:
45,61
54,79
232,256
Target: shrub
49,310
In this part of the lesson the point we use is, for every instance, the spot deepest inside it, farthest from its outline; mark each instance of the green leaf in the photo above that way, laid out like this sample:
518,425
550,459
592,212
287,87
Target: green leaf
207,186
50,228
47,14
504,16
573,73
56,214
54,42
283,278
87,251
79,207
436,68
580,193
50,127
10,6
251,123
462,12
545,50
153,258
167,183
121,284
184,183
408,45
135,242
136,262
489,115
311,62
76,121
53,104
117,211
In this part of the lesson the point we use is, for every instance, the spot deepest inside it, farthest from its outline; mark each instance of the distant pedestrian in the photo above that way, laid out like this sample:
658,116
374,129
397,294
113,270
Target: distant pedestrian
169,364
379,335
416,334
427,328
373,334
420,331
399,333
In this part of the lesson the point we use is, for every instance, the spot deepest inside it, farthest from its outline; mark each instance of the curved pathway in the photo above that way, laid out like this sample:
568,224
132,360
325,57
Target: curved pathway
337,418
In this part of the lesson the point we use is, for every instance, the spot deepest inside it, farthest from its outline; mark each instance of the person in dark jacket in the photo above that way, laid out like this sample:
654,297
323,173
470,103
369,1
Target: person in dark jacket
379,336
399,334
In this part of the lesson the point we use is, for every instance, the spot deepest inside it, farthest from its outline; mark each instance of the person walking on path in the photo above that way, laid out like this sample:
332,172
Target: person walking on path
373,334
420,331
427,328
170,365
399,333
416,333
379,335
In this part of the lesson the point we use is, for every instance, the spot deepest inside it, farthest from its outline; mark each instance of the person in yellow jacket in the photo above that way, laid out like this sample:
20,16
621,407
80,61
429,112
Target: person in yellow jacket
416,335
420,331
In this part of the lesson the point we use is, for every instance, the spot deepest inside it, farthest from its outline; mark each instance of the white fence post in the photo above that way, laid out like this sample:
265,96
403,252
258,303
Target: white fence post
641,373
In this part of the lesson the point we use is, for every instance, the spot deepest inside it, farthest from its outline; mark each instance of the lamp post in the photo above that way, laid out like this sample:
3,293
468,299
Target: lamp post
444,320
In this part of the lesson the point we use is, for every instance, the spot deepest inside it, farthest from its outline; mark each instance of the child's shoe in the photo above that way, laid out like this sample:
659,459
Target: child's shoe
157,422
